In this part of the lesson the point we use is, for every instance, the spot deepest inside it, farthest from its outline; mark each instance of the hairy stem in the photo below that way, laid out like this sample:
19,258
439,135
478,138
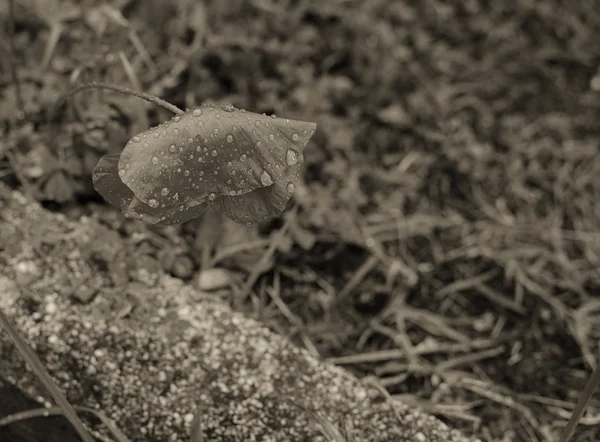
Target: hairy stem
122,90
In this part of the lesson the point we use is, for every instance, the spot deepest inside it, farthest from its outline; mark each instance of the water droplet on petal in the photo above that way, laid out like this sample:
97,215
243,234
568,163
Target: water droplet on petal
290,187
177,119
164,191
257,123
258,143
121,172
172,148
243,158
154,160
200,159
265,178
153,203
197,112
271,137
229,138
295,136
212,196
136,139
186,172
214,153
175,131
227,107
291,157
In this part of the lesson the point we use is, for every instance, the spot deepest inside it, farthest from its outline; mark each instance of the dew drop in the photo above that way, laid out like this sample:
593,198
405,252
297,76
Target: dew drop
257,123
136,139
212,196
180,148
200,173
177,119
271,137
191,140
291,157
227,107
290,187
186,172
258,143
121,173
154,160
265,178
175,131
216,130
295,136
198,148
164,191
214,153
155,134
229,163
153,203
200,159
164,133
229,138
197,112
172,148
243,158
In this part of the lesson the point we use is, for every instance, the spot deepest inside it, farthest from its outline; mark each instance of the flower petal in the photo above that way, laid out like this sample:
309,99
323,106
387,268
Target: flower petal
212,149
108,184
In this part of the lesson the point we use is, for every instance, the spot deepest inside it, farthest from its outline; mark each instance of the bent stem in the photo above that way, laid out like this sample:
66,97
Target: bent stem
122,90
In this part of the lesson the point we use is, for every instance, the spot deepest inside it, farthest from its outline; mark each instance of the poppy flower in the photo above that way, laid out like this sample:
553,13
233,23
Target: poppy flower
241,164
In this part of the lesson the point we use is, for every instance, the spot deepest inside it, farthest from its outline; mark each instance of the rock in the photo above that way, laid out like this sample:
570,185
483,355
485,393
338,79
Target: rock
173,354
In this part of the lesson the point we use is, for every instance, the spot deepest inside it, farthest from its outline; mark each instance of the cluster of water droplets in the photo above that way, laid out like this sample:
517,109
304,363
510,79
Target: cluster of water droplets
235,158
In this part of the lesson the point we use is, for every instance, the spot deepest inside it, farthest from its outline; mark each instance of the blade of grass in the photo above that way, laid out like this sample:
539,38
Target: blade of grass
582,402
40,371
118,435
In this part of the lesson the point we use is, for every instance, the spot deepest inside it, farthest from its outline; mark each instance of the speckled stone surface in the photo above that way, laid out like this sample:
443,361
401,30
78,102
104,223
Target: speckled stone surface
151,353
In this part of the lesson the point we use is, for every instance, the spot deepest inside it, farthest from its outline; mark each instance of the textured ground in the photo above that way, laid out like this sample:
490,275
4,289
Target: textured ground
153,353
444,231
